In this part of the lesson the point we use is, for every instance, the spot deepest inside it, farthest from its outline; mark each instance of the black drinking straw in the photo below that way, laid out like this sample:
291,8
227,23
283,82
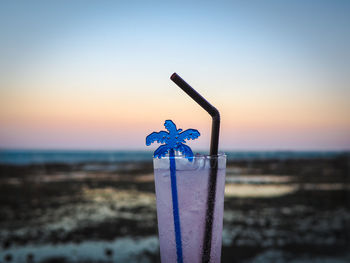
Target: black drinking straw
214,143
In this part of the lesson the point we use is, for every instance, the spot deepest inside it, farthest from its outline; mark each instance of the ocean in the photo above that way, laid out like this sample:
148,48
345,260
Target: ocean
26,157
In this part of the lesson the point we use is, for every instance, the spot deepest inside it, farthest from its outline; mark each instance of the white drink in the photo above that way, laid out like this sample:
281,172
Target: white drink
192,191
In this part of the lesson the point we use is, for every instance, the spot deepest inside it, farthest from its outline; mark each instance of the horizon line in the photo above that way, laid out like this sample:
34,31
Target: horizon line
147,150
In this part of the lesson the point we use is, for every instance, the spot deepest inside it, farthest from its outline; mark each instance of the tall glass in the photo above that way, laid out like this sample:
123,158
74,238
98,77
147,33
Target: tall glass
192,191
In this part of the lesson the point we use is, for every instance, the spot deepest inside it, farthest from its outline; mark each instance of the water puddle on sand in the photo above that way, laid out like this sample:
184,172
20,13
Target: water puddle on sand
120,250
258,179
268,186
257,191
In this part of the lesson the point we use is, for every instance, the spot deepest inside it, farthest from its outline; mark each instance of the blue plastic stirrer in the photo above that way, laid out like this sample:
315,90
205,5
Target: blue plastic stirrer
173,141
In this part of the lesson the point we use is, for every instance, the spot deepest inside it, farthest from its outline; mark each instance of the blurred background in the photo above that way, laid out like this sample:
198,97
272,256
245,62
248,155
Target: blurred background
82,83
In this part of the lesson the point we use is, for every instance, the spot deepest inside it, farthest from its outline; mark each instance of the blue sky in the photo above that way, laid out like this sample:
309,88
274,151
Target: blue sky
89,74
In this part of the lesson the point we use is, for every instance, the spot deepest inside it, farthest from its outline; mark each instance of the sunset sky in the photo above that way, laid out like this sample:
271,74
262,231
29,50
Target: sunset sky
95,74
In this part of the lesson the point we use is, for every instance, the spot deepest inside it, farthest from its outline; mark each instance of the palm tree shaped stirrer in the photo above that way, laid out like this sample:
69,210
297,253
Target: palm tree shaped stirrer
174,140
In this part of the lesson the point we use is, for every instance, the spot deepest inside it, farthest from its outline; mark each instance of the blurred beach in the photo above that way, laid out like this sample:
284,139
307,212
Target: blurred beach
80,206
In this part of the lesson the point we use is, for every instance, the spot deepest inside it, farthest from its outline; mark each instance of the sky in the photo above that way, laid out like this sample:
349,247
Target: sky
95,74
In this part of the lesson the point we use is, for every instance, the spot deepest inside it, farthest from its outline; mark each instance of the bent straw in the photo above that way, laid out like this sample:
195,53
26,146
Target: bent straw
214,143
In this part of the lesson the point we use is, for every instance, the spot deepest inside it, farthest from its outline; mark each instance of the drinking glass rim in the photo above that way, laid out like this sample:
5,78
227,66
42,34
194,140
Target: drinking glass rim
197,156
